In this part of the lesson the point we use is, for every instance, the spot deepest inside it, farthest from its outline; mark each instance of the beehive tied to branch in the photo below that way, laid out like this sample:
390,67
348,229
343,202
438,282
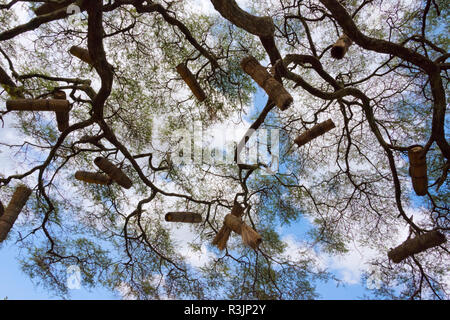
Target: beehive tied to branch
93,177
15,206
62,118
82,54
274,89
340,47
233,222
186,217
416,245
116,174
52,6
55,105
192,83
314,132
418,169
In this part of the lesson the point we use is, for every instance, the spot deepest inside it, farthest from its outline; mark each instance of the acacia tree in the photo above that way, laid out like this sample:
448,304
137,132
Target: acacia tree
127,100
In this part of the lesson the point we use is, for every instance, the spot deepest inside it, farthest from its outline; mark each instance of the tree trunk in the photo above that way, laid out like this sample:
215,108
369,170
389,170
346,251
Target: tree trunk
93,177
260,26
314,132
15,206
274,89
418,170
416,245
38,105
113,172
187,217
190,80
82,54
341,46
62,118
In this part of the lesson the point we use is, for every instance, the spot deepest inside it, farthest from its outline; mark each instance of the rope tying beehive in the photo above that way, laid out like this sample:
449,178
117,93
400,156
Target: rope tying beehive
274,89
233,222
56,105
62,118
340,47
15,206
93,177
187,217
314,132
416,245
82,54
418,169
190,80
113,172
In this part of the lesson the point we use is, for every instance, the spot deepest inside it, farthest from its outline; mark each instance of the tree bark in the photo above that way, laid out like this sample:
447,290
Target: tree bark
260,26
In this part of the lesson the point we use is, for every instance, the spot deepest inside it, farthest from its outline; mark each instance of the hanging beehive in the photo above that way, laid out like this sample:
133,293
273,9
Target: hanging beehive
340,47
418,169
93,177
274,89
187,217
56,105
113,172
233,222
190,80
62,118
314,132
15,206
50,7
416,245
82,54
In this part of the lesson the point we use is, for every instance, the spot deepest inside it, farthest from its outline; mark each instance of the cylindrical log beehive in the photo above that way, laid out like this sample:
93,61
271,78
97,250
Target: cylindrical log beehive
62,118
418,170
341,46
82,54
15,206
274,89
314,132
38,105
221,238
190,80
416,245
93,177
187,217
113,172
249,236
50,7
